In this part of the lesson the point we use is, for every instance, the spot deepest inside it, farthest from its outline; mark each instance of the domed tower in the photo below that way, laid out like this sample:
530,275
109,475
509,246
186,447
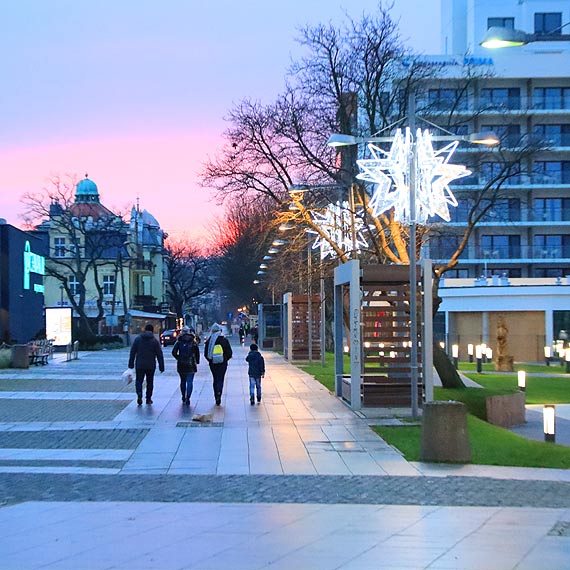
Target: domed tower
86,192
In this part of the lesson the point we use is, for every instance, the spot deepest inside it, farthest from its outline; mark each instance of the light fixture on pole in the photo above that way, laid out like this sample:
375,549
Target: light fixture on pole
549,422
470,352
547,355
479,358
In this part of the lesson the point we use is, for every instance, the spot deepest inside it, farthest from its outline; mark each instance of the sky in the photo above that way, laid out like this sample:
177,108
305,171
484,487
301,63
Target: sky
134,92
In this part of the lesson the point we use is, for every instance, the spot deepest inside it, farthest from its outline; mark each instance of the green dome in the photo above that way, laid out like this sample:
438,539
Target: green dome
86,191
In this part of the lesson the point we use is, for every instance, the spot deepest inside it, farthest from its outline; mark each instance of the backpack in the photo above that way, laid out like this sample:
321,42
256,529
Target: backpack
185,353
217,354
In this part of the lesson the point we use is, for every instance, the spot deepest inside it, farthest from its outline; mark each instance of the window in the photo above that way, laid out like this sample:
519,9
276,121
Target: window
501,23
500,247
551,172
456,274
555,135
548,23
551,98
505,210
445,99
443,247
549,272
551,246
551,209
510,135
59,247
501,97
108,284
73,284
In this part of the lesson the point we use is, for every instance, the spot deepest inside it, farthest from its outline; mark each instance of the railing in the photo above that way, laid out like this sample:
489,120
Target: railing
501,254
141,265
483,105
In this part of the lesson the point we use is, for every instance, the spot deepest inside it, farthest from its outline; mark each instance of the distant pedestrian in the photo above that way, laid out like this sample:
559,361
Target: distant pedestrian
187,355
145,352
256,371
218,352
241,335
254,334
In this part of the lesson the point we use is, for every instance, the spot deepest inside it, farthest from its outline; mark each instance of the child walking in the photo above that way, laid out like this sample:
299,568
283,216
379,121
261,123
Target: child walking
256,371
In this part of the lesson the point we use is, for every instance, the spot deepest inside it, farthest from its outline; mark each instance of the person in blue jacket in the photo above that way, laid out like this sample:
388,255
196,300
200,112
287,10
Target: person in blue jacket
256,372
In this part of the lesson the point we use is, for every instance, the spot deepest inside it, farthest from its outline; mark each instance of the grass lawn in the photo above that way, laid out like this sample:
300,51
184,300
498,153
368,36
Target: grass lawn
490,445
325,374
535,368
539,389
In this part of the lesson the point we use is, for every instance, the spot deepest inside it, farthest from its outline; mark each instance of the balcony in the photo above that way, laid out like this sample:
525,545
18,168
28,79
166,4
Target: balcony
506,255
146,303
142,266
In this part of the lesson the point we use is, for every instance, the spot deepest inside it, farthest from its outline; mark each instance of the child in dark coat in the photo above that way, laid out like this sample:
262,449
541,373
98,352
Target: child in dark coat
256,371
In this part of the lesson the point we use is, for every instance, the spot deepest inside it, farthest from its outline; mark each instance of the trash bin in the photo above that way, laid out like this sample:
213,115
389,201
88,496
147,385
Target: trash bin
20,356
444,433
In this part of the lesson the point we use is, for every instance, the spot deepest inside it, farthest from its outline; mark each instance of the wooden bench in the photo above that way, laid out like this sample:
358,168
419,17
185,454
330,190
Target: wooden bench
40,352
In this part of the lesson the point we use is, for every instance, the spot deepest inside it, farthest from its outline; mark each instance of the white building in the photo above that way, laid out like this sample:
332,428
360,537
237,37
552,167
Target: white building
520,92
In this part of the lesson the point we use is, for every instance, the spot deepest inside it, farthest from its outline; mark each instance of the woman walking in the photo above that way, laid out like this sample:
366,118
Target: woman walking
187,355
218,352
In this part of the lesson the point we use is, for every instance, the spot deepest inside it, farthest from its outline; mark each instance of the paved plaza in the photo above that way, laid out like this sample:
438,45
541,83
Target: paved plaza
89,480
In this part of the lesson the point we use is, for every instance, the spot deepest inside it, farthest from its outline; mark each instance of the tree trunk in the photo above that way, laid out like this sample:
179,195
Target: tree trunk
447,373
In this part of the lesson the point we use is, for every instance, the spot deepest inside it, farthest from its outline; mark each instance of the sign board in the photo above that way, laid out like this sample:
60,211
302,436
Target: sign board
58,325
112,320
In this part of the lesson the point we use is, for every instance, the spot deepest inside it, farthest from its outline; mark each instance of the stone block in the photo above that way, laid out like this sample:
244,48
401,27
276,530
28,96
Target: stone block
506,410
444,433
20,356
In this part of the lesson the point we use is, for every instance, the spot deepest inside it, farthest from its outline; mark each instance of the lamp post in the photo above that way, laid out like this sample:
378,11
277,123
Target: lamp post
499,37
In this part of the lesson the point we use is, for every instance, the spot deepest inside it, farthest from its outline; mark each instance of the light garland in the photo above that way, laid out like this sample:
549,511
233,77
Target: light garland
336,222
433,175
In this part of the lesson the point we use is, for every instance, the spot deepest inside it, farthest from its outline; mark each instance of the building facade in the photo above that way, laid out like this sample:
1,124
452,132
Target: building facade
22,268
523,95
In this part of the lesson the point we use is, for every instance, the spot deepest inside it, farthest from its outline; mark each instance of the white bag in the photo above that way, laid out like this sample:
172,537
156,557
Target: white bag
128,376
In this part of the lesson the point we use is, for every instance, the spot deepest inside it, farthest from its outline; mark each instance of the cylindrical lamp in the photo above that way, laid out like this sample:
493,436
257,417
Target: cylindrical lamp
479,358
567,358
455,355
470,352
547,355
489,353
521,379
549,419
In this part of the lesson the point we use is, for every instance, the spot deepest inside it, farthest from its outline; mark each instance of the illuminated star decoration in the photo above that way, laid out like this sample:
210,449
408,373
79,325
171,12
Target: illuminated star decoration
336,222
433,175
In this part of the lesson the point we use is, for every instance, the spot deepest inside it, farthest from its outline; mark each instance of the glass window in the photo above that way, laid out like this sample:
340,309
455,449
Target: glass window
549,272
551,246
551,209
59,247
108,284
509,135
443,247
500,246
548,23
556,135
447,99
73,284
551,172
551,98
509,98
501,23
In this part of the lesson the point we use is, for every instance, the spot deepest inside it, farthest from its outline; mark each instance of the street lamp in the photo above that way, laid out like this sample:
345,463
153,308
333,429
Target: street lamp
498,37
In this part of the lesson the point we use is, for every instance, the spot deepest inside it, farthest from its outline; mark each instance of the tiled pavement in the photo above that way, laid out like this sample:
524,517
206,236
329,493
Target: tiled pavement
90,480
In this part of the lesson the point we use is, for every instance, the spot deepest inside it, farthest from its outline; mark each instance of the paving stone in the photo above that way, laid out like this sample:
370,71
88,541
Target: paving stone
73,439
59,410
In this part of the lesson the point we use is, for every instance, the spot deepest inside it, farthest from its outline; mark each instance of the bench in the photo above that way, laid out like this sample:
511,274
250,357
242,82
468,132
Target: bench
40,352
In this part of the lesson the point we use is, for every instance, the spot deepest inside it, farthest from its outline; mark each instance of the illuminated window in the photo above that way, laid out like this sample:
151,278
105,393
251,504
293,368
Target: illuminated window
73,284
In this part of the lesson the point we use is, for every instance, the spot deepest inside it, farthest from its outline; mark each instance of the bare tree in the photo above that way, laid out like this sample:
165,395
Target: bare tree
189,274
93,239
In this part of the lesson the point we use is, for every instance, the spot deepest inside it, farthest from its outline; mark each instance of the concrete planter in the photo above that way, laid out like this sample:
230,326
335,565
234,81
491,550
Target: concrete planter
507,410
444,433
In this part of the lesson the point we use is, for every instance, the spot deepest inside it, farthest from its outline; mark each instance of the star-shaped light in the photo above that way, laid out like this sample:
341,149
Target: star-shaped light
433,175
336,221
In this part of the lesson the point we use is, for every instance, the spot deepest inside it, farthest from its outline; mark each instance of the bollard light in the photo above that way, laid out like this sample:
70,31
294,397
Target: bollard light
346,349
479,358
547,355
521,379
470,352
442,344
549,419
567,358
484,351
455,355
489,353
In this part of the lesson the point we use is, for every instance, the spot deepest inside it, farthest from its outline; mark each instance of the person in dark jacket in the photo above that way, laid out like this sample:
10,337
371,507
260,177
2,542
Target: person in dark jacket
256,372
187,355
218,369
145,352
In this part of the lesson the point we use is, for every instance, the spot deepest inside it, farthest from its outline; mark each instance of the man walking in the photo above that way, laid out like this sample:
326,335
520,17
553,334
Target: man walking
145,352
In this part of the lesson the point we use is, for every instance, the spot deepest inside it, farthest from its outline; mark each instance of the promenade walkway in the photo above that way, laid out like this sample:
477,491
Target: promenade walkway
89,480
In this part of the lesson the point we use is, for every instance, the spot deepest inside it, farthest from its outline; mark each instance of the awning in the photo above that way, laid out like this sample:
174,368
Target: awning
145,315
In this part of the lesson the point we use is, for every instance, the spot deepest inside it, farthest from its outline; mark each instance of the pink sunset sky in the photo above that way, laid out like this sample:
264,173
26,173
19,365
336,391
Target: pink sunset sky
134,93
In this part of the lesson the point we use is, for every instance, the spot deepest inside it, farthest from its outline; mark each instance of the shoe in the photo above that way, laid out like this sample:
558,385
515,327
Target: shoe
187,401
139,400
259,400
252,400
218,400
183,399
149,401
